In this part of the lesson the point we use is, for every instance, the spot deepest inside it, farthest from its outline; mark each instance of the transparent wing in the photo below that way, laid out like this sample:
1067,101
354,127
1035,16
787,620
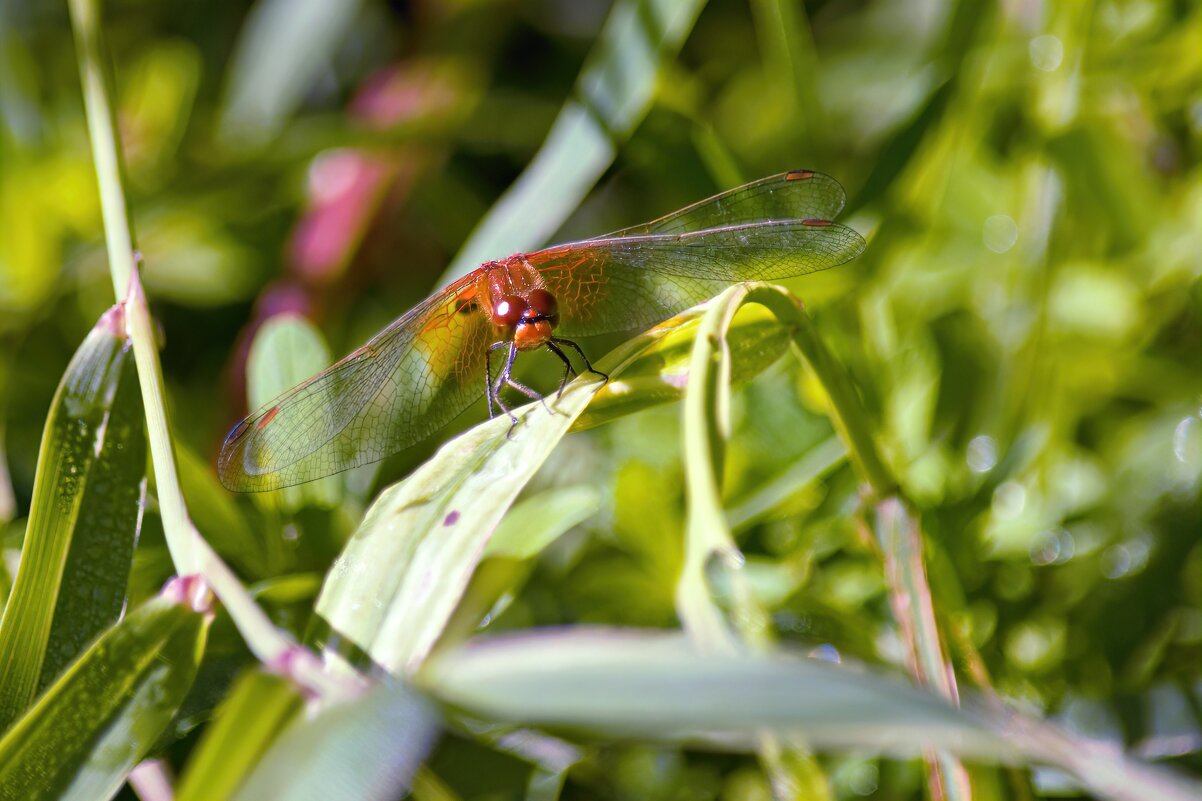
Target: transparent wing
793,195
617,284
410,380
426,368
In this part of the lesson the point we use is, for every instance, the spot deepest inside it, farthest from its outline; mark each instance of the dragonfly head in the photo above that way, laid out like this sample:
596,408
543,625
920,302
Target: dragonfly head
529,320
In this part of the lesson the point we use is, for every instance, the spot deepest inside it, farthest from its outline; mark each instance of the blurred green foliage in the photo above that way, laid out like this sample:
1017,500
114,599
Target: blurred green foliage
1026,324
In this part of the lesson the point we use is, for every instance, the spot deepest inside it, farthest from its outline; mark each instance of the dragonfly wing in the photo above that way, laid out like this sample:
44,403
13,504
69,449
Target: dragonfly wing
407,382
794,195
617,284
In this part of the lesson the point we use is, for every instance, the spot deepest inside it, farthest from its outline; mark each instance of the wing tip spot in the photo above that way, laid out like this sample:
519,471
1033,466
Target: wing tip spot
267,418
799,175
816,223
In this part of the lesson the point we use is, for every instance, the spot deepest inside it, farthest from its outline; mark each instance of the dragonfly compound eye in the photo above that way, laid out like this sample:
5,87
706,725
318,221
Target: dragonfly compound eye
508,311
542,304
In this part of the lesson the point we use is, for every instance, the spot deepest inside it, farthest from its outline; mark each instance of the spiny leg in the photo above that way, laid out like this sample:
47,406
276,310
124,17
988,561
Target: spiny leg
528,392
502,378
520,387
568,369
588,366
505,378
489,389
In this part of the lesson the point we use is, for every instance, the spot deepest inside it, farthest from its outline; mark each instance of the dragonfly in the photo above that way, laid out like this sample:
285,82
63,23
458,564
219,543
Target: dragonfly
424,369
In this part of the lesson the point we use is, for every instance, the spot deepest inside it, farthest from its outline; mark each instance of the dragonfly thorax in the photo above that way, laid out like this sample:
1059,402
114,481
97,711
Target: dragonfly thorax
528,320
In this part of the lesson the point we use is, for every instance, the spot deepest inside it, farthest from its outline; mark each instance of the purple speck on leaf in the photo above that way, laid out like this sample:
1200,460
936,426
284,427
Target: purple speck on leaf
451,519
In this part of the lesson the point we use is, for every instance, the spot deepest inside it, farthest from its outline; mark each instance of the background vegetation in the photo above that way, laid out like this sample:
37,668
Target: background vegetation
1025,331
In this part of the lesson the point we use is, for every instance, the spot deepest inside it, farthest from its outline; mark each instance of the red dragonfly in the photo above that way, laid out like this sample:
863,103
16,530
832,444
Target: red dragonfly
421,371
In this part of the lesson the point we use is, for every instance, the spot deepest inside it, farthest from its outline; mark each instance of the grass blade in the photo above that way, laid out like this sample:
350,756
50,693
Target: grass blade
660,686
189,552
615,90
247,722
100,719
84,518
366,749
283,47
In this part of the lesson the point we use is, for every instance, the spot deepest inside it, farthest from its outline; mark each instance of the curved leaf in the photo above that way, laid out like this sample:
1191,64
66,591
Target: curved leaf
756,339
287,350
398,581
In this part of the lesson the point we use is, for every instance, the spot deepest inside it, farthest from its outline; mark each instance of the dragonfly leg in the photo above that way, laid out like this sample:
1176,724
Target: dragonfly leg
588,366
501,380
568,369
520,387
529,393
505,378
489,389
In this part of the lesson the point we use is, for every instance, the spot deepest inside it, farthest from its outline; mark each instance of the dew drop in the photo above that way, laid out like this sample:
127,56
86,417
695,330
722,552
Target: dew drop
864,779
1125,558
826,653
1053,547
1187,441
1000,232
1009,500
1047,52
982,453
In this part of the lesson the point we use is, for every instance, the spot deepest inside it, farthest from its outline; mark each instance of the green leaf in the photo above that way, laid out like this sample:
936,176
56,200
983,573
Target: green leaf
367,749
539,520
247,722
659,686
402,574
706,429
287,350
613,93
283,48
788,47
756,339
83,521
530,527
103,715
808,467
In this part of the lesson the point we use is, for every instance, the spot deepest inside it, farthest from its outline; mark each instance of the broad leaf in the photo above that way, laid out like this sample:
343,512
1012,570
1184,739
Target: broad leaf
399,579
658,685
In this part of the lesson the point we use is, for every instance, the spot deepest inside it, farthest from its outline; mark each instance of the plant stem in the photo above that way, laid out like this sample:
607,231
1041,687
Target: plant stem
913,609
119,238
189,552
102,130
708,538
